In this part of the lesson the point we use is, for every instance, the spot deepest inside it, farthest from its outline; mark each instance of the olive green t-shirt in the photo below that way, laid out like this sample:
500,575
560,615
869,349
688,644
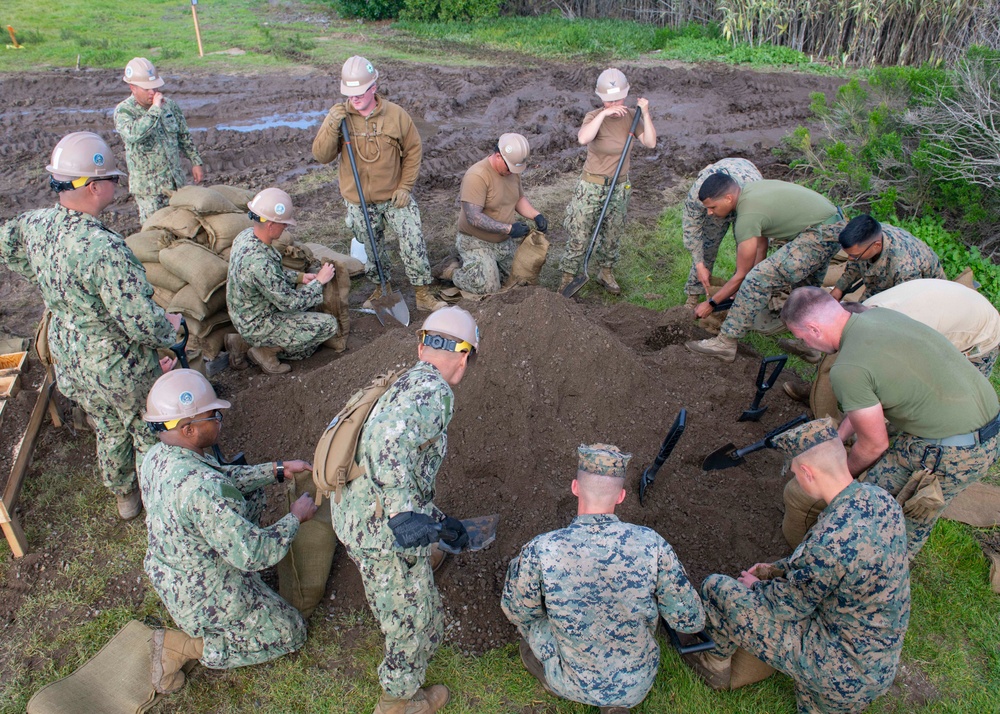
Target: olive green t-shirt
483,186
926,387
778,210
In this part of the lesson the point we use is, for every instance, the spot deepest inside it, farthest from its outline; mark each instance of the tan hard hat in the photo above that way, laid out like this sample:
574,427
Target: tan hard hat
180,394
273,204
82,155
515,150
612,85
142,73
452,322
357,76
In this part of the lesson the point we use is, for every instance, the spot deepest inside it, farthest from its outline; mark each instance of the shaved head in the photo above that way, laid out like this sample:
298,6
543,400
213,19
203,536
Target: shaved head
810,304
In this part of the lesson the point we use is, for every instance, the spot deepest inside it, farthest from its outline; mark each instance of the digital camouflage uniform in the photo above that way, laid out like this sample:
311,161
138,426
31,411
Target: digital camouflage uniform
703,234
205,551
402,445
803,261
405,224
485,266
581,215
903,257
105,327
155,139
265,305
836,618
588,599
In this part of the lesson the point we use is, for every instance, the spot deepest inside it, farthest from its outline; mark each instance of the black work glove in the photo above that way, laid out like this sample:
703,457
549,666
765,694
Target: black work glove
414,529
541,222
453,533
519,230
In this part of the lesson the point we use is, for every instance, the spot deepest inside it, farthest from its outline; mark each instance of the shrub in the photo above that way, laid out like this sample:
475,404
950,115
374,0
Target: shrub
450,10
370,9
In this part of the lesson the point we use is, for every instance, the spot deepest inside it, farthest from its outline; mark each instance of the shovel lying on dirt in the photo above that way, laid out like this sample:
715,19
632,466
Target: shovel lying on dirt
728,456
755,411
580,280
482,531
701,641
673,436
389,304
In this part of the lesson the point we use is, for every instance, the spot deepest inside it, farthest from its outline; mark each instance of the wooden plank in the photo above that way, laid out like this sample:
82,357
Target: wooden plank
27,446
12,530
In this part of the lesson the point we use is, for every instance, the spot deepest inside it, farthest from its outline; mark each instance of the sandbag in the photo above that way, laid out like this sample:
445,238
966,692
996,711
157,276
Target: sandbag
324,254
201,328
528,260
42,339
297,257
966,278
146,245
336,294
214,342
801,513
746,669
188,303
196,265
202,200
223,228
181,222
224,253
163,297
237,195
822,399
303,572
159,277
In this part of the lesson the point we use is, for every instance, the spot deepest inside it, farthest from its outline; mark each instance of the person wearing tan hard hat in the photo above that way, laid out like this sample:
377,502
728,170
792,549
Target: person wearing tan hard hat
604,132
270,306
387,152
206,547
489,231
105,328
156,137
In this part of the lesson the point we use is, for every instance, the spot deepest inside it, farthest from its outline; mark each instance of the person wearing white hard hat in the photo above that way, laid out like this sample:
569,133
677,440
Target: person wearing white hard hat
205,545
269,305
387,152
156,136
105,328
604,132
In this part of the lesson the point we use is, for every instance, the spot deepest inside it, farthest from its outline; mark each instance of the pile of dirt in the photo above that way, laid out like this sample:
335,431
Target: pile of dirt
553,374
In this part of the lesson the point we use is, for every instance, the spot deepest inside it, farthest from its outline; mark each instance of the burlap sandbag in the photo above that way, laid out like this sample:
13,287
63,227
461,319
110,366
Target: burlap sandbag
237,195
42,339
188,303
324,254
201,328
966,278
146,245
978,504
746,669
297,257
303,572
529,259
214,342
822,400
222,228
196,265
336,294
993,556
181,222
801,512
159,277
162,296
202,200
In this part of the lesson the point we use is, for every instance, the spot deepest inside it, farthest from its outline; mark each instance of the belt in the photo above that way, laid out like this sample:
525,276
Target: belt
600,179
972,438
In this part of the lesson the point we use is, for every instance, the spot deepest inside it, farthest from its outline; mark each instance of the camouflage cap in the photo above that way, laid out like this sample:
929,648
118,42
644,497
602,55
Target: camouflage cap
602,459
802,438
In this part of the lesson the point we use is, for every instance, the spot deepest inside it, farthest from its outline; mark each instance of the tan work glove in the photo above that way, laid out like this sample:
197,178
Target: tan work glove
400,198
338,112
921,497
768,572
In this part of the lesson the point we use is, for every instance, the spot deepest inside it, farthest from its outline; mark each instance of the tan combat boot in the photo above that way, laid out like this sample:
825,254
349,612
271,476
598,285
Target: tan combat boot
567,278
607,279
426,700
437,557
799,391
237,348
171,650
129,505
800,348
534,667
376,294
267,359
449,267
721,347
426,300
336,343
713,669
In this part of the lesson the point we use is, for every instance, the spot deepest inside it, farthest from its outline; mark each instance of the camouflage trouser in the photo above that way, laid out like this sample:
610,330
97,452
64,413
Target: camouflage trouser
581,215
957,467
826,681
485,265
405,223
802,261
402,595
985,363
298,334
149,204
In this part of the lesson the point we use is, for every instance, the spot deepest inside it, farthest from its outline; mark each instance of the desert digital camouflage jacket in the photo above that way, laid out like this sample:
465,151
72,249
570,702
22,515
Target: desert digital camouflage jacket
591,595
904,257
402,445
155,139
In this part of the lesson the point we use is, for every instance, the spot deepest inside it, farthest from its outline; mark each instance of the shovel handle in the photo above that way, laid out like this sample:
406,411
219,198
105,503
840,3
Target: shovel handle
779,364
703,643
349,150
766,441
673,436
180,348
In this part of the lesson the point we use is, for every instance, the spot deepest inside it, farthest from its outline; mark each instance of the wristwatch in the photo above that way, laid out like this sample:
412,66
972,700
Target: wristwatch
279,471
712,302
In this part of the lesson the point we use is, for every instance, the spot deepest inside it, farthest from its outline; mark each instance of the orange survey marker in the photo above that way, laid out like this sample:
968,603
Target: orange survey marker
17,45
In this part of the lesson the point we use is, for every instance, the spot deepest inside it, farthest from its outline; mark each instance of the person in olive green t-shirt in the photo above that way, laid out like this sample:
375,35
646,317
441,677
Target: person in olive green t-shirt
890,366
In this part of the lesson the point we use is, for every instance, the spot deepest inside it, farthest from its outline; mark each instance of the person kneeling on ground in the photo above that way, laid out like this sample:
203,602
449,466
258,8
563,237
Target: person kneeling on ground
587,598
264,303
205,547
833,614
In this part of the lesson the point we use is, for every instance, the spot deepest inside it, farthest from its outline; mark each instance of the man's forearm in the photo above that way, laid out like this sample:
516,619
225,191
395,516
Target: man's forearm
474,215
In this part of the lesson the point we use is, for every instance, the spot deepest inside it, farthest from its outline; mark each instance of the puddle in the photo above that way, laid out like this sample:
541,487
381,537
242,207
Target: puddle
295,120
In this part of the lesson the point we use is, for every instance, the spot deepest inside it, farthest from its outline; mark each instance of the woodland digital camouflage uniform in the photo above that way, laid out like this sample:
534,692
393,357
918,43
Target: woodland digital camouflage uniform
401,449
836,618
105,327
405,223
703,234
154,140
588,599
485,266
803,261
265,305
205,549
581,215
904,257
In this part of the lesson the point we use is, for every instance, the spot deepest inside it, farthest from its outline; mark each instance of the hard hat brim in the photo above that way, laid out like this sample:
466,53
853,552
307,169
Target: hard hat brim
514,168
612,97
356,91
155,84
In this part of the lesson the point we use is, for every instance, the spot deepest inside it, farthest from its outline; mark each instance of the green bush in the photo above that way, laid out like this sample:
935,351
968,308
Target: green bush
370,9
450,10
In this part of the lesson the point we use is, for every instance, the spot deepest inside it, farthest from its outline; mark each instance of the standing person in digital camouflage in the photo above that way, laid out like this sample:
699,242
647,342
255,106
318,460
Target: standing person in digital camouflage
105,327
387,151
264,300
703,233
156,136
604,132
833,614
387,519
205,544
587,599
891,367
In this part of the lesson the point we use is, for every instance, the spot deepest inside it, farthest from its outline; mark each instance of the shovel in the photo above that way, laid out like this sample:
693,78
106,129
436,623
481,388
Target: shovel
673,436
482,531
755,411
702,641
389,304
580,280
729,456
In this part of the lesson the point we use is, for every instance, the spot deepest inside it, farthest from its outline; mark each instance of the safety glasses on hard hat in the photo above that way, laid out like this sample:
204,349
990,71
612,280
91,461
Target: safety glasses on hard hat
217,416
84,180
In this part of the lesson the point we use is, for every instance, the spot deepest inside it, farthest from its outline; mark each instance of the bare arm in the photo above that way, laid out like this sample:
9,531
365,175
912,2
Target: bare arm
524,207
648,136
474,215
747,254
873,439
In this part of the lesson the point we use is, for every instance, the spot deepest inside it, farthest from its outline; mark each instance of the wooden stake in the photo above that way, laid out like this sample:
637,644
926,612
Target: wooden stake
197,30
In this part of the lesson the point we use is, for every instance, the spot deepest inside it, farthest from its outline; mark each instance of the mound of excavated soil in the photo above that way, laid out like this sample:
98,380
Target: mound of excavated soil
554,373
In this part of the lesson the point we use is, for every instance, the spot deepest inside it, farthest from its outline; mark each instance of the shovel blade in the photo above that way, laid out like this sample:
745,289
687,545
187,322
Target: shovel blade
391,306
752,414
482,531
575,284
644,483
722,458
